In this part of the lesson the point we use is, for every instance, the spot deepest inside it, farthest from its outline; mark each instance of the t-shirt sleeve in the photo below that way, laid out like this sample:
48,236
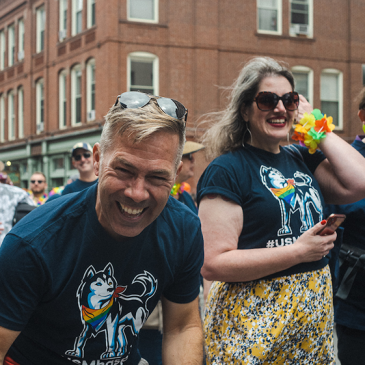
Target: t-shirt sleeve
66,190
22,282
217,179
186,285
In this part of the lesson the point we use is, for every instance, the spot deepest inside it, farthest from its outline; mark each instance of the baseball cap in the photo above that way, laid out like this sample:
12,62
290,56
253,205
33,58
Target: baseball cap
191,147
82,145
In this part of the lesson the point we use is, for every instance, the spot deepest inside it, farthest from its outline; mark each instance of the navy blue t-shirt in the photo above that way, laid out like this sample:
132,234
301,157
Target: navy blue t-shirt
278,193
351,312
186,199
75,293
77,185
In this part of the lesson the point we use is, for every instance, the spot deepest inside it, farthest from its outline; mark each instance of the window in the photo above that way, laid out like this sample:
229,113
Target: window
76,99
90,13
90,90
143,72
41,22
40,105
11,116
2,50
303,77
20,39
2,118
20,112
331,95
62,100
63,20
269,16
143,10
76,16
11,45
363,75
301,17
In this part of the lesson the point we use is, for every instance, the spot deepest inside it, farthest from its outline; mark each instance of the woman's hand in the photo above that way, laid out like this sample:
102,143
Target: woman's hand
311,246
304,107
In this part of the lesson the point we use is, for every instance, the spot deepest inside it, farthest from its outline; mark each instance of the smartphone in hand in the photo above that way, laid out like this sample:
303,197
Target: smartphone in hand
333,222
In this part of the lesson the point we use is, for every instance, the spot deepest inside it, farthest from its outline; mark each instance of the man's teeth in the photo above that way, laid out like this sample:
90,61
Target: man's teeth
130,210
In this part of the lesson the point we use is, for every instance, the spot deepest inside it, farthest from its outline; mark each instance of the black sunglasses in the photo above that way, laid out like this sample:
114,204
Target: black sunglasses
189,156
136,99
38,181
267,100
85,154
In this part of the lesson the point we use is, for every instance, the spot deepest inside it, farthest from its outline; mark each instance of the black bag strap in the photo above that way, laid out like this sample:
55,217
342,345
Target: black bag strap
355,257
21,210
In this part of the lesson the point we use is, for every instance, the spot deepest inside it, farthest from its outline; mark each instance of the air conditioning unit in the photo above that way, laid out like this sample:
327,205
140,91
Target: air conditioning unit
300,29
62,35
40,127
91,115
20,55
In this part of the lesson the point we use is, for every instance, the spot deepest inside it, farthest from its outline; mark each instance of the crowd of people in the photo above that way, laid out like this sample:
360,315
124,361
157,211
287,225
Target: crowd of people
111,271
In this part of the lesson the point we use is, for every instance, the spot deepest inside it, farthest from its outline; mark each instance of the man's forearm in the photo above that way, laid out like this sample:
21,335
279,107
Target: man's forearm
183,348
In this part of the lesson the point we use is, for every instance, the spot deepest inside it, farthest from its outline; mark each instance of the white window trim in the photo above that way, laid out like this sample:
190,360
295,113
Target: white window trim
74,18
309,72
144,56
40,26
280,20
89,13
11,116
20,112
73,95
156,7
39,92
21,35
62,31
340,94
89,66
62,83
2,49
310,20
11,45
2,117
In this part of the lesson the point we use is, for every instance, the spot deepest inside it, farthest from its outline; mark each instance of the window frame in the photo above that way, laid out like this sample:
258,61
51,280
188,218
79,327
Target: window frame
20,112
62,98
11,45
75,69
363,74
21,36
2,49
309,72
144,56
155,9
41,26
40,106
74,20
63,20
2,117
11,115
310,20
90,91
91,13
279,31
340,94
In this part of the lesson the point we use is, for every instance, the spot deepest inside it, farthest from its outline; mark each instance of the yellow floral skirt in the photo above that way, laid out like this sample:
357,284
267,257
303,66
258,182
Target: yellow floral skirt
286,320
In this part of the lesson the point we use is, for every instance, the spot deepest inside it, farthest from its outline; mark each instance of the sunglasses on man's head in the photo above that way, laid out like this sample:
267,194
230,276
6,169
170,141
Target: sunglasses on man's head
85,154
38,181
267,101
136,99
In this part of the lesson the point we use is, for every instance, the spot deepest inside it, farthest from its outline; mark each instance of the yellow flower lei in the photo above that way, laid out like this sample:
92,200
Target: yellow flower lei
312,128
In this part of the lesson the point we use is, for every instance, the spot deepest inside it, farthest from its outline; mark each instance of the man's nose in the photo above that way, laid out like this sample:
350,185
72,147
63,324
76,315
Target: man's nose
137,190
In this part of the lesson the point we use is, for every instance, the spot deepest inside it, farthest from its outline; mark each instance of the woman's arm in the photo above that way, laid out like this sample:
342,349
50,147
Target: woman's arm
341,176
222,223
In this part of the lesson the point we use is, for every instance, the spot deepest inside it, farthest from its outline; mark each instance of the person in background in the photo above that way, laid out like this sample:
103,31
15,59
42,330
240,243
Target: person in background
78,283
37,188
150,337
261,209
10,197
82,160
350,310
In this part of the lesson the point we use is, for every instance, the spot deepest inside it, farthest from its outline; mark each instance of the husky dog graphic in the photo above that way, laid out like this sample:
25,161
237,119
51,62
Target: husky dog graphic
101,306
292,194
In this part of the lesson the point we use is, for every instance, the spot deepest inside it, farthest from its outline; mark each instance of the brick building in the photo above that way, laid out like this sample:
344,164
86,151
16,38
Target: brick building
63,62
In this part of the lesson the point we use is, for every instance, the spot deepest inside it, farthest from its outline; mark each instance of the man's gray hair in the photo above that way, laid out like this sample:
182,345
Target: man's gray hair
139,124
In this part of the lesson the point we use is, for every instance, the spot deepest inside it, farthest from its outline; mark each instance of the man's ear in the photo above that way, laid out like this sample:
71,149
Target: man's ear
96,158
361,114
179,169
